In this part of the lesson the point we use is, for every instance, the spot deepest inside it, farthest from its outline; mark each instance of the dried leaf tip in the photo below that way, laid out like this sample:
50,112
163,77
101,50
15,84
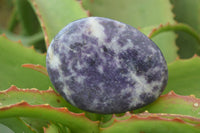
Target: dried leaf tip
171,93
36,67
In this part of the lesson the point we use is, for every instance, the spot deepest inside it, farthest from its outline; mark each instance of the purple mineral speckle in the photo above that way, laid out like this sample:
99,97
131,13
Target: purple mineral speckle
105,66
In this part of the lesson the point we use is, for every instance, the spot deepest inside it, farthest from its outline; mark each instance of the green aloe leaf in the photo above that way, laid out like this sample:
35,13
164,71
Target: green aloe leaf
75,122
5,129
27,17
175,27
161,39
12,56
34,97
26,40
56,128
16,125
187,11
166,43
55,15
38,68
6,7
153,123
36,124
139,13
132,12
51,129
184,77
172,103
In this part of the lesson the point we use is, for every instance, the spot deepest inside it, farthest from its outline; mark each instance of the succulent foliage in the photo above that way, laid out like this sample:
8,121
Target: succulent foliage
28,101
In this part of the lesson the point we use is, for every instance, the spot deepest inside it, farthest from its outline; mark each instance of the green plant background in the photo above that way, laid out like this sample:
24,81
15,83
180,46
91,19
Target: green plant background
29,104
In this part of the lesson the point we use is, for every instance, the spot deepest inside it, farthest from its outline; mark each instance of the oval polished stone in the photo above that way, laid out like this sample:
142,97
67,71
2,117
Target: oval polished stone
105,66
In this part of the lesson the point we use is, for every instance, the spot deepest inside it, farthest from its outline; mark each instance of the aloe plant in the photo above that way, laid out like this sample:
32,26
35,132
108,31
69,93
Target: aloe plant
28,101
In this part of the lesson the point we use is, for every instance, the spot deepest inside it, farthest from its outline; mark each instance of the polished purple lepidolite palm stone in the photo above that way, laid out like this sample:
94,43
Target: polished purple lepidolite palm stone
105,66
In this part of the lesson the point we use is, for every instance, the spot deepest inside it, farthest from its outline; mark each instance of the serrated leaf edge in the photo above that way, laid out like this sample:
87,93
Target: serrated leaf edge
20,43
81,5
34,90
190,98
155,116
37,11
24,104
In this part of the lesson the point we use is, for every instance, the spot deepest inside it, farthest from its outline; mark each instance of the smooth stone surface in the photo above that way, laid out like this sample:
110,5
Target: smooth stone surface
105,66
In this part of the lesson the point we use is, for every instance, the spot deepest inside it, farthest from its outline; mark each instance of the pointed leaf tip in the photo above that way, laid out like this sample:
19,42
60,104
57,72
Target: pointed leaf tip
38,68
